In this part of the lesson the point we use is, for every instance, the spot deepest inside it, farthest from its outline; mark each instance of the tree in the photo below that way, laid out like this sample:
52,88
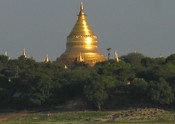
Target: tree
31,89
5,91
133,58
139,89
96,89
160,92
4,59
151,62
148,62
165,71
170,59
125,75
41,90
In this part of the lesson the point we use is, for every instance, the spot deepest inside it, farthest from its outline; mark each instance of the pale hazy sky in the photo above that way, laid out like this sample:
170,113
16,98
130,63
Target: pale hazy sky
41,26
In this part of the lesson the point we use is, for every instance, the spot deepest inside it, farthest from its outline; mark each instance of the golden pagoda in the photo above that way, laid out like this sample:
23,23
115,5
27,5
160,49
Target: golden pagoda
46,59
80,58
82,43
116,56
24,53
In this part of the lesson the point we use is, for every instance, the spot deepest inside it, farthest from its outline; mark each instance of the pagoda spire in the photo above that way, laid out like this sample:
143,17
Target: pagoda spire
24,53
6,53
46,59
81,6
80,58
116,56
81,27
82,14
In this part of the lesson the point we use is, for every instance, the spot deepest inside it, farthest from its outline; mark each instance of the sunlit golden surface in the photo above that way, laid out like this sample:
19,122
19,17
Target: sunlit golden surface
82,40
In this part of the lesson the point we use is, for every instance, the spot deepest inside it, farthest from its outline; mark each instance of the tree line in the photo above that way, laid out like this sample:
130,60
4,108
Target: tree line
134,80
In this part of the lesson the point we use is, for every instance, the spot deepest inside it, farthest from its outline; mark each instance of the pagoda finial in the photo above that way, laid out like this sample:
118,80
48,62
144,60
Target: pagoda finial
81,13
24,53
116,56
46,59
81,6
6,53
80,58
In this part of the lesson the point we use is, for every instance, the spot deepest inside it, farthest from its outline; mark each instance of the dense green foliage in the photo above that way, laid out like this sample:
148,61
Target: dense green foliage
134,79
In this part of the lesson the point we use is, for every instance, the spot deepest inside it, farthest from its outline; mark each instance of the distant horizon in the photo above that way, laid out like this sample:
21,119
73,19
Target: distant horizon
42,26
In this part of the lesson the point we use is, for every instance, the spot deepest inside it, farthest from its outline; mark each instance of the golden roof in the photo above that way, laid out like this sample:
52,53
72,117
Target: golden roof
82,40
81,27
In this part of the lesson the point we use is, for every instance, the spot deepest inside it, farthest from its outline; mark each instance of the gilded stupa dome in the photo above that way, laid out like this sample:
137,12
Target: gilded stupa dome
82,43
